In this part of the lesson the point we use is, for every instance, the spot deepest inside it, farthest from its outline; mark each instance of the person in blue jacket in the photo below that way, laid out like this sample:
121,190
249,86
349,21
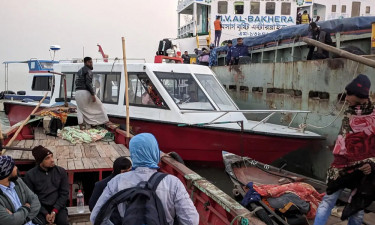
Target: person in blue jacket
237,51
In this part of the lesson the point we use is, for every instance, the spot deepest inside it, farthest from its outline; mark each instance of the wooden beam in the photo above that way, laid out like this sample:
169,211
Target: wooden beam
340,52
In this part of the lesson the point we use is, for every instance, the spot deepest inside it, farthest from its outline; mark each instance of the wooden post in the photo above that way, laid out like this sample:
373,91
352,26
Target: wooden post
1,138
126,88
341,53
373,38
24,122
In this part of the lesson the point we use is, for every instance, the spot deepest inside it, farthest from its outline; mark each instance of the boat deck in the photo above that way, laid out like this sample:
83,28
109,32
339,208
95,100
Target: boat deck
98,155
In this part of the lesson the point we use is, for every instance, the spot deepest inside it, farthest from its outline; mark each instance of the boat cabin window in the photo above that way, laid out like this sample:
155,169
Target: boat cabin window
222,7
215,91
70,86
142,92
254,8
270,8
42,83
184,90
238,7
106,86
285,8
46,65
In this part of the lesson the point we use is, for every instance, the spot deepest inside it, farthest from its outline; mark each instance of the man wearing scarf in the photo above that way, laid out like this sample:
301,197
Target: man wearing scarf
354,156
145,155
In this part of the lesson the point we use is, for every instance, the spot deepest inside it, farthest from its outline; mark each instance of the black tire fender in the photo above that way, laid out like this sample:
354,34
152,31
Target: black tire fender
176,157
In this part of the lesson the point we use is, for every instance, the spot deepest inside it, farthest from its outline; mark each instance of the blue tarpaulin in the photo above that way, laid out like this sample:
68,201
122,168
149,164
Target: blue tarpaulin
331,26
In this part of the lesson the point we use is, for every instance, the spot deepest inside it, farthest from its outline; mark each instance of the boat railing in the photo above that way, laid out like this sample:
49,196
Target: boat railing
270,113
110,60
186,30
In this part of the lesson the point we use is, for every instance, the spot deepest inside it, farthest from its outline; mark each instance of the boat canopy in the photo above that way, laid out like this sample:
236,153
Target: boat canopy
36,65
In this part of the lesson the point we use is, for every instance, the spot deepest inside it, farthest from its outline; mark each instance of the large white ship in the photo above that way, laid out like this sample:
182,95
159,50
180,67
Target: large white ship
248,18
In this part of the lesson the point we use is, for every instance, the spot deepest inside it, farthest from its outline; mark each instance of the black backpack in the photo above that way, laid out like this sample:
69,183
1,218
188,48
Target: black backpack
142,205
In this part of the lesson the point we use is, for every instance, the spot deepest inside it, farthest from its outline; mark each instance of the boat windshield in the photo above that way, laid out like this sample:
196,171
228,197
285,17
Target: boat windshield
215,91
184,90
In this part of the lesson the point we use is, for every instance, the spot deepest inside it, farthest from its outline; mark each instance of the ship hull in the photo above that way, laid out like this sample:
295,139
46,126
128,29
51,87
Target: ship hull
201,143
315,86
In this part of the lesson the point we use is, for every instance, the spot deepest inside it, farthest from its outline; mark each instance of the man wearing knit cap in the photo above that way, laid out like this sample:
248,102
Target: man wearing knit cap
18,204
354,156
50,183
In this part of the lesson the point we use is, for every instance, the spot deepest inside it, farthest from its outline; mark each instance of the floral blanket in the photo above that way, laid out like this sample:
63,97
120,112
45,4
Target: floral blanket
355,144
303,190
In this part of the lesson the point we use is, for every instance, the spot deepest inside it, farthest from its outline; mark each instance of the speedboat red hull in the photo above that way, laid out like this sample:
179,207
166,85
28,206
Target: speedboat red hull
200,143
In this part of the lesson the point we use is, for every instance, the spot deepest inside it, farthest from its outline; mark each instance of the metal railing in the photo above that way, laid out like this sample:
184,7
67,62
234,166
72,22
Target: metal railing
186,30
263,121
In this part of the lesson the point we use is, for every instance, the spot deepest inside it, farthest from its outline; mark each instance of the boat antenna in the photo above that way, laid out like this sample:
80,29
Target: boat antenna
54,48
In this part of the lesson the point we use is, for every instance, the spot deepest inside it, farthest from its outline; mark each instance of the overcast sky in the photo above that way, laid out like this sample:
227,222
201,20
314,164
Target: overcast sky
29,27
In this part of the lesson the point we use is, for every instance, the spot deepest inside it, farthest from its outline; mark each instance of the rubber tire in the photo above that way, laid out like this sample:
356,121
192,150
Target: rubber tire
176,157
261,214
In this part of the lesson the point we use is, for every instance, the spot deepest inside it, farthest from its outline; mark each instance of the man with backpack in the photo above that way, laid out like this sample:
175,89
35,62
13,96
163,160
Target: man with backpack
143,195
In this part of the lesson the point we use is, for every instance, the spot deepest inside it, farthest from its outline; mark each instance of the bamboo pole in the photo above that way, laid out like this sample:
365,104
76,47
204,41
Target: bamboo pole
126,88
24,122
1,137
342,53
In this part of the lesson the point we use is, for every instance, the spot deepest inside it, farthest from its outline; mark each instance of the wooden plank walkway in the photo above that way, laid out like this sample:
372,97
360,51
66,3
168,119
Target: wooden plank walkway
97,155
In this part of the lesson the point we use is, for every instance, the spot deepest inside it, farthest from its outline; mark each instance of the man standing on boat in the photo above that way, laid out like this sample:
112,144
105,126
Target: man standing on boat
238,51
305,18
50,183
322,36
18,204
186,57
354,156
145,155
90,109
218,29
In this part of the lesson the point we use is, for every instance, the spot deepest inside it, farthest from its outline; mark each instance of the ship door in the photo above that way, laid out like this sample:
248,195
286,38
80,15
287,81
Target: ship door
356,8
204,19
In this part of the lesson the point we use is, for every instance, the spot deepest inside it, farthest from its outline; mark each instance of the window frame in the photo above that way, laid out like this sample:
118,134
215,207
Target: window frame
105,86
50,82
282,7
334,8
61,94
343,8
257,3
368,9
243,7
199,86
218,7
274,9
165,105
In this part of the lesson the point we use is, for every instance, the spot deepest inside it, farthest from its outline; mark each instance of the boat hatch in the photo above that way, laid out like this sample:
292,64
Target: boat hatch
39,66
185,91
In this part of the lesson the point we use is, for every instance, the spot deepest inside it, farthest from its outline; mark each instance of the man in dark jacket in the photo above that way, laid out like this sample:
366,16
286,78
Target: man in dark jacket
50,183
18,204
186,57
120,165
322,36
237,51
90,109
